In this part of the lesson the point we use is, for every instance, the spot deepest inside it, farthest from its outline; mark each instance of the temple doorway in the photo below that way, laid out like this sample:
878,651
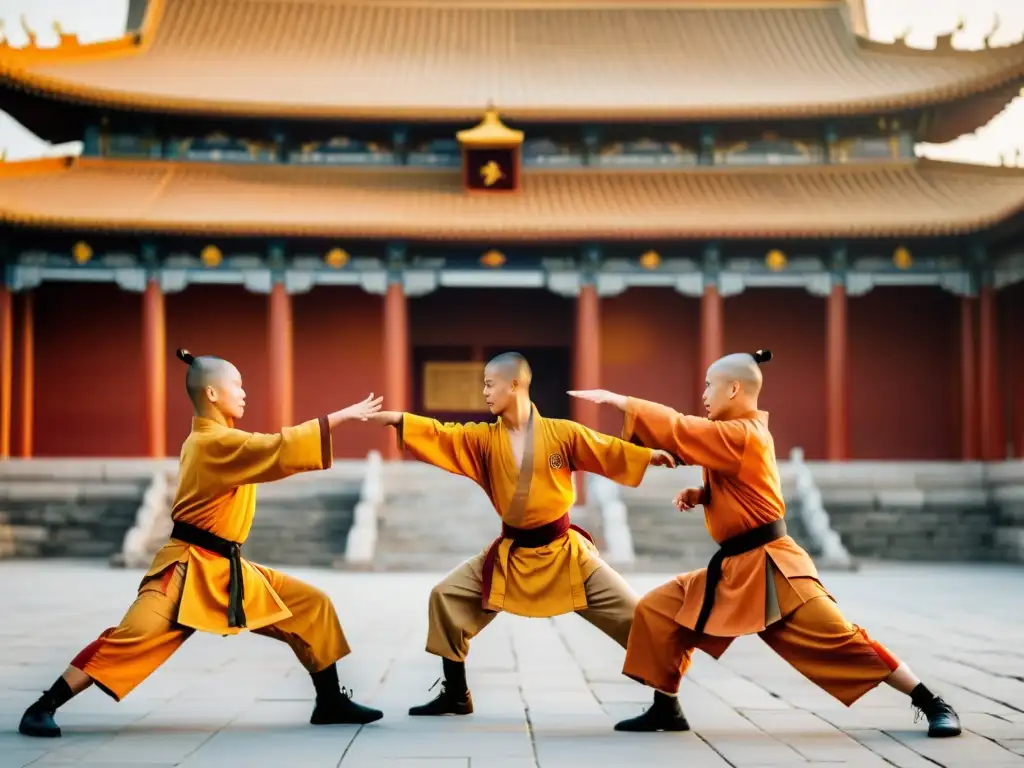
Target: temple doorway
454,332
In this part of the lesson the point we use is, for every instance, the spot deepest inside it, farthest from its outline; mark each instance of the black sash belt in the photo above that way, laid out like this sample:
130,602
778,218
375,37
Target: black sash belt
737,545
197,537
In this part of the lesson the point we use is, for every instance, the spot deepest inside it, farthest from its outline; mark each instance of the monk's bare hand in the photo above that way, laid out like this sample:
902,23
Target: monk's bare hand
661,458
362,410
386,418
600,396
688,498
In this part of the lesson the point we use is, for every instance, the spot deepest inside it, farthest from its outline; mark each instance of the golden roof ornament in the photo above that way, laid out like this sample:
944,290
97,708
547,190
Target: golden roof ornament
775,260
211,256
650,259
902,259
491,174
336,258
66,38
81,252
491,132
493,259
996,24
32,43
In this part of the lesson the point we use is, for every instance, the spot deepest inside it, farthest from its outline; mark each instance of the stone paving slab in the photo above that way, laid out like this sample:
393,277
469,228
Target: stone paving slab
547,692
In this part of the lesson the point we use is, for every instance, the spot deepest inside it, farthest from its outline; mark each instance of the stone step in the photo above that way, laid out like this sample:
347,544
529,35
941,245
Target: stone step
427,561
666,565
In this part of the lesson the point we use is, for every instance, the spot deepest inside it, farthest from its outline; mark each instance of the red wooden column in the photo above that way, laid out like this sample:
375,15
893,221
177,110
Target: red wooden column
968,380
991,405
587,354
281,368
154,360
396,356
711,336
6,368
837,399
28,375
586,365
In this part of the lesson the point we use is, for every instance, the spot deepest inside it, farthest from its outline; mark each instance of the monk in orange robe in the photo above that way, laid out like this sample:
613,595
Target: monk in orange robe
541,565
760,581
199,581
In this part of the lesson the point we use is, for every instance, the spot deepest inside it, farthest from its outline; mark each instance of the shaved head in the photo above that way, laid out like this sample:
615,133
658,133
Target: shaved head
512,366
740,367
507,380
207,371
212,382
734,384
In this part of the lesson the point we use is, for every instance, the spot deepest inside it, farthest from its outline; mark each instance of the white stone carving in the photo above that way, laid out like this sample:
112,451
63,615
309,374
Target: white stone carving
361,545
811,509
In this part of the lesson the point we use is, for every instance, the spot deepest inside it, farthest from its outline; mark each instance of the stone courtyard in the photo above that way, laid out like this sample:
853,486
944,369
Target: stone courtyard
547,692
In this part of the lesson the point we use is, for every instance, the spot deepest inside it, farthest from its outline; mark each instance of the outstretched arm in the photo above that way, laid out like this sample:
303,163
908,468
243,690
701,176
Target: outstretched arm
600,454
237,457
455,448
717,445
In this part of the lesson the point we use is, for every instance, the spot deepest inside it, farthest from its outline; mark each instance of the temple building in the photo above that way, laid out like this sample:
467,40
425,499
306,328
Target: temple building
346,196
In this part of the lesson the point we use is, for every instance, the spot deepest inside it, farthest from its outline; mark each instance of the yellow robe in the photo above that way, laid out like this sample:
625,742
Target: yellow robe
220,467
543,581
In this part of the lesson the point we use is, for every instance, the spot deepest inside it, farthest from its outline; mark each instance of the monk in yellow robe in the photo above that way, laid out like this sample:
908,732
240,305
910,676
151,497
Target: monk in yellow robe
760,581
199,581
541,565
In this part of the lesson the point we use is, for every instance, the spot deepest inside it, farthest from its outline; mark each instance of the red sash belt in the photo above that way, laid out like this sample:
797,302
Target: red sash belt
525,537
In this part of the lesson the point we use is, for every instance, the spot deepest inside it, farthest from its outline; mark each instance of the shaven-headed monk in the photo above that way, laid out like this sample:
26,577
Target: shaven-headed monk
760,581
199,581
541,565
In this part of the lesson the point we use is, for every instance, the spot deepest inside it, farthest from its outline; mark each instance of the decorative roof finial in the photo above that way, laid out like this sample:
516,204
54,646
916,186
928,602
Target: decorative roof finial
28,31
996,24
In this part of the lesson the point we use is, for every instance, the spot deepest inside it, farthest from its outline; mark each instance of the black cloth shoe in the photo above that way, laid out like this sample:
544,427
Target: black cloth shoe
339,709
38,721
943,721
664,714
454,701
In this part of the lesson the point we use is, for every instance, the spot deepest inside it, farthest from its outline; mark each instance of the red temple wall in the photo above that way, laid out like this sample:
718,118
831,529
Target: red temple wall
338,355
649,347
904,367
89,397
1011,350
491,317
223,320
903,358
17,406
791,323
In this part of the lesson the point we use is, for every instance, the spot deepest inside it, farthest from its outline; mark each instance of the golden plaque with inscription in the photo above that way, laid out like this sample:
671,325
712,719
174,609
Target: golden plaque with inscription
454,387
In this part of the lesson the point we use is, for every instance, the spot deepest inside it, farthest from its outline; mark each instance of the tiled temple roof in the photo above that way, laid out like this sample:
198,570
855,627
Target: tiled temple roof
921,198
535,59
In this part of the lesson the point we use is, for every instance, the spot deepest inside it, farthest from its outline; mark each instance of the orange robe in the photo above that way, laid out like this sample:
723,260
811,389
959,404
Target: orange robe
738,457
186,587
543,581
773,590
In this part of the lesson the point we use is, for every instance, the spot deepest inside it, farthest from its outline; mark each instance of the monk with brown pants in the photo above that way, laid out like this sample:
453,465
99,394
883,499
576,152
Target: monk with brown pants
199,581
540,565
760,581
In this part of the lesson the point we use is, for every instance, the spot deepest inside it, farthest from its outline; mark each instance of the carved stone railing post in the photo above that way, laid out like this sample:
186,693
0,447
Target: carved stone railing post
618,549
361,545
809,506
152,525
